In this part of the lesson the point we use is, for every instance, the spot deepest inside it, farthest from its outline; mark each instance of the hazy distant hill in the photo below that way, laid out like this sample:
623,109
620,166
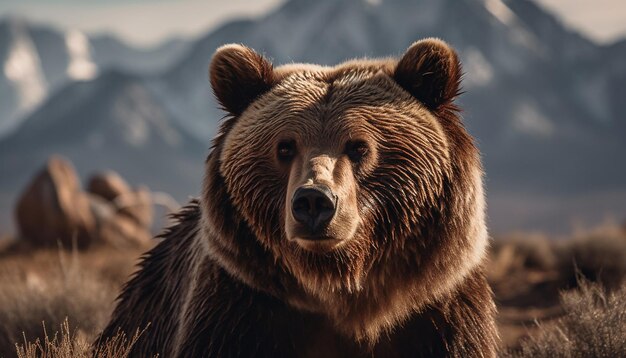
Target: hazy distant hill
545,103
38,59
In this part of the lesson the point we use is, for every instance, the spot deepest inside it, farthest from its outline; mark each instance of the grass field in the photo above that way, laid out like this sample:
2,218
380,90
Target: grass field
556,297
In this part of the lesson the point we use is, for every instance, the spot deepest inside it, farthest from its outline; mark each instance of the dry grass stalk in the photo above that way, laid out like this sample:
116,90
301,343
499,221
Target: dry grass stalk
65,344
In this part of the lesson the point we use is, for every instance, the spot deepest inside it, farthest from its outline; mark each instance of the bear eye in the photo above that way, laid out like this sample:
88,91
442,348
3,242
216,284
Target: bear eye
356,151
286,151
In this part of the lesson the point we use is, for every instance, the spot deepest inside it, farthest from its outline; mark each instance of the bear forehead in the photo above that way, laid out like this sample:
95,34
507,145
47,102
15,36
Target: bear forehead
351,83
357,96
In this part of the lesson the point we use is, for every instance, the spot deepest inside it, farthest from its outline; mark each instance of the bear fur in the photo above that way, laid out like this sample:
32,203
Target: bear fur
399,269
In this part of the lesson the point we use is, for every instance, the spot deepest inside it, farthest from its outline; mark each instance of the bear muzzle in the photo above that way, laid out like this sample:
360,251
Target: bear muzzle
313,207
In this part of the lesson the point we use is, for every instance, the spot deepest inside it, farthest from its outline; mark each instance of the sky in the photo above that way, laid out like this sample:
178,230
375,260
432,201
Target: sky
147,22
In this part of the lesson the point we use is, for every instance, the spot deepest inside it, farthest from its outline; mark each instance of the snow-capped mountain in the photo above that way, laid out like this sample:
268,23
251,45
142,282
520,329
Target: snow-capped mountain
36,60
23,84
545,104
501,45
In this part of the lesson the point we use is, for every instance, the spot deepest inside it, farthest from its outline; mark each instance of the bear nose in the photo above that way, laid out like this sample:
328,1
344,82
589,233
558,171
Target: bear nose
313,206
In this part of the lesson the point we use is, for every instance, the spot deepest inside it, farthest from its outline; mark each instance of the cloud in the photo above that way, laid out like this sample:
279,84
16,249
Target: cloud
600,20
146,22
139,22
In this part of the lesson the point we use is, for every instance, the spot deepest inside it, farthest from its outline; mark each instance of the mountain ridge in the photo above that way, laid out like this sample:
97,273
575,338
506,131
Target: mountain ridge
39,59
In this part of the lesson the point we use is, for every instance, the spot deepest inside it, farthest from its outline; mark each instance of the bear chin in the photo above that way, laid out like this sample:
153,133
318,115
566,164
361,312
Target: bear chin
318,244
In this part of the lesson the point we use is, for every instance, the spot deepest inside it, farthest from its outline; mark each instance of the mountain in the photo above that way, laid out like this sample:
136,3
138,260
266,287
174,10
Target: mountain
564,44
109,51
113,122
502,50
544,102
36,60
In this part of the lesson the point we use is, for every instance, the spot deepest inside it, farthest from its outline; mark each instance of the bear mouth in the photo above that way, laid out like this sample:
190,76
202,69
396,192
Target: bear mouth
318,243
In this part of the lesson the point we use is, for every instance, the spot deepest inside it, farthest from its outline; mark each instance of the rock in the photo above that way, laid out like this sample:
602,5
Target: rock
108,185
53,208
137,205
116,228
101,209
122,231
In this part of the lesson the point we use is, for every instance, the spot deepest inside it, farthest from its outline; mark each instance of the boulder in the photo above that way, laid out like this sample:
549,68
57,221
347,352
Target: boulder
116,228
135,204
53,208
108,185
122,231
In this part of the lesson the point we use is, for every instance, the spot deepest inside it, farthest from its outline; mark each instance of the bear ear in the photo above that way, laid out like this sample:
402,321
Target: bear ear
238,76
431,71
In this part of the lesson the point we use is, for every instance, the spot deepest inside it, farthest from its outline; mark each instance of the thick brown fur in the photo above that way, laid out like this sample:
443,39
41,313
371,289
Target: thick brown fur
401,271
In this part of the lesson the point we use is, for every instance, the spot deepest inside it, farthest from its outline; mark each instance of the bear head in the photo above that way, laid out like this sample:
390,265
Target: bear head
352,190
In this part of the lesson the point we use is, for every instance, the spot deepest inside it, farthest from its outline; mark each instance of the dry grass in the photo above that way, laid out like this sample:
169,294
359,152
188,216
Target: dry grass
65,344
599,255
556,297
529,272
594,325
58,287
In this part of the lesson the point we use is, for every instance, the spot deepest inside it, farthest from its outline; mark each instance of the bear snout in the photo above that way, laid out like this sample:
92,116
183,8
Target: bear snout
313,207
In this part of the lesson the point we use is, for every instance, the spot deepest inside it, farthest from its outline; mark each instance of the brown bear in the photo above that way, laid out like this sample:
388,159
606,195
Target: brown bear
342,215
